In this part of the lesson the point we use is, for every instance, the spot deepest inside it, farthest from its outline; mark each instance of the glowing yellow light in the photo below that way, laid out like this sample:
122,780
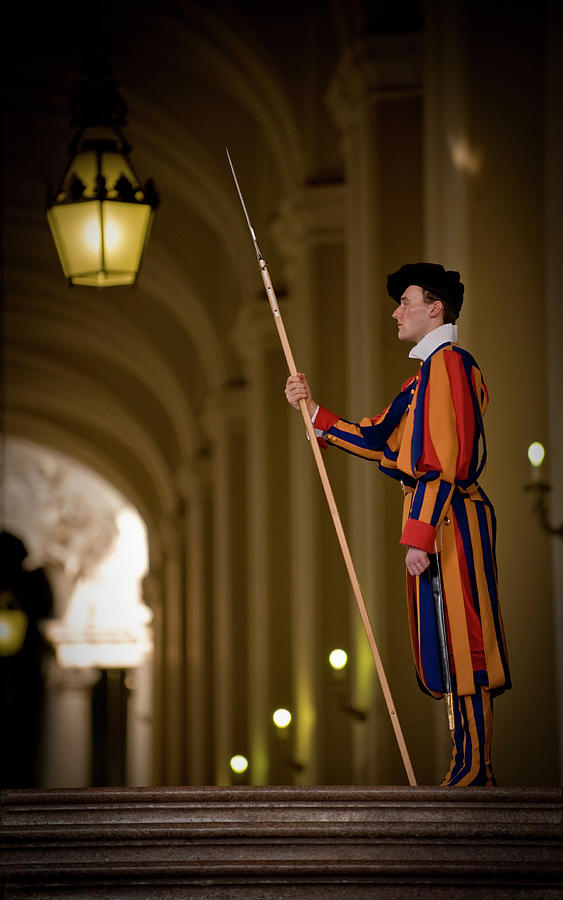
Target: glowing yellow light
91,233
536,453
238,764
282,718
13,626
338,659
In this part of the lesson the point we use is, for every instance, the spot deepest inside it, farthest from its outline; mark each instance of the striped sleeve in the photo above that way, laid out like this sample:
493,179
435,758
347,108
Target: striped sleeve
369,438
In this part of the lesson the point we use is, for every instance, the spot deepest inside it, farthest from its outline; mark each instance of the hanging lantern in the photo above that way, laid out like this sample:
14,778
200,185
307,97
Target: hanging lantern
100,215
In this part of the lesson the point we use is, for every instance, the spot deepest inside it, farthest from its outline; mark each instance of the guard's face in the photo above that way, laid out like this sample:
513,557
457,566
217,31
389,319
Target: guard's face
414,317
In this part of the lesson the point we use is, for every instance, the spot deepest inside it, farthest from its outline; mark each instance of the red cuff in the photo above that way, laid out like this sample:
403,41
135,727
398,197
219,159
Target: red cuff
419,534
325,419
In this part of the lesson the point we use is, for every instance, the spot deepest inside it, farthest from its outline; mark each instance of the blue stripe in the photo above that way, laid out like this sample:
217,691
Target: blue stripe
478,712
460,512
418,421
417,500
376,436
463,756
418,424
476,467
442,497
489,562
394,473
429,650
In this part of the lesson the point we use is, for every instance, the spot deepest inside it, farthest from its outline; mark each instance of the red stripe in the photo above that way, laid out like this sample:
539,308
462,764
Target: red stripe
474,629
463,406
429,461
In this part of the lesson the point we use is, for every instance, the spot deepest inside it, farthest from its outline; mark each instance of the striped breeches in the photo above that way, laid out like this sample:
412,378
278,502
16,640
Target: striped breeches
472,737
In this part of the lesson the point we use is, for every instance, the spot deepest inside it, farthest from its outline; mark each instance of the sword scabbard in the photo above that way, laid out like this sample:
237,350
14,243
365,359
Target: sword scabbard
449,698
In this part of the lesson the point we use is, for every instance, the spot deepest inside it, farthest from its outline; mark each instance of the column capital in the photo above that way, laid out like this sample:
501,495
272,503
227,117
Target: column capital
377,67
225,410
254,331
171,533
58,678
192,475
312,215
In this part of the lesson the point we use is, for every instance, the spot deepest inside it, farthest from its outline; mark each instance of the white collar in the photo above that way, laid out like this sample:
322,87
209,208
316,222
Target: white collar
434,339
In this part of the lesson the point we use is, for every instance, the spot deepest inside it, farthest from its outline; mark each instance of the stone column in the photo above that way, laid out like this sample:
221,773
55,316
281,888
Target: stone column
174,676
223,421
153,596
309,234
384,69
194,482
452,159
68,726
254,335
139,760
554,321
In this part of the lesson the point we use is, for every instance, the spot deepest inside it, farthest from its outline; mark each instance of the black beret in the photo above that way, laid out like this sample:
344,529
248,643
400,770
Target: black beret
430,276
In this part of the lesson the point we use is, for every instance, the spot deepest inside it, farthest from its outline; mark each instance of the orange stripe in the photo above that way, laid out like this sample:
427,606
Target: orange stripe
404,457
453,593
474,738
490,646
351,429
501,624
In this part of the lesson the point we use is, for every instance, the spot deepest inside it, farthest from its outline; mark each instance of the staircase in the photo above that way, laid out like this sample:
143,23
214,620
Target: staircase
278,842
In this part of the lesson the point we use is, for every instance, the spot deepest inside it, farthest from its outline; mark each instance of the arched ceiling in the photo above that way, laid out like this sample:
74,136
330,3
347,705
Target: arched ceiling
106,373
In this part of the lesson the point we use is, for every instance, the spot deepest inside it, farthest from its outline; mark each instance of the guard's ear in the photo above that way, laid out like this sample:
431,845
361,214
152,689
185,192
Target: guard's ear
436,308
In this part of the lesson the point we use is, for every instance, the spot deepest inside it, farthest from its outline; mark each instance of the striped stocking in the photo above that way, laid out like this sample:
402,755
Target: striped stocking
471,750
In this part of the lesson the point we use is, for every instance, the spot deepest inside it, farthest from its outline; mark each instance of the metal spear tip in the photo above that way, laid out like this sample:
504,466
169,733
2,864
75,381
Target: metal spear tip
251,229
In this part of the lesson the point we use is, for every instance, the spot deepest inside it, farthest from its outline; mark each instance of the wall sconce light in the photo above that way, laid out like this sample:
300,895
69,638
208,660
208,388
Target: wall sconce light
13,624
540,490
338,660
100,216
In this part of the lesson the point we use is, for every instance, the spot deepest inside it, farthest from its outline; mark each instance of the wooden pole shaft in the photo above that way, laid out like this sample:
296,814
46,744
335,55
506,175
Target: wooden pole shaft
339,529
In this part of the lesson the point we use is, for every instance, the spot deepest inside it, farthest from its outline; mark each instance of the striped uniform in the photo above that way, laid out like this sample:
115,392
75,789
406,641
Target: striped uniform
431,439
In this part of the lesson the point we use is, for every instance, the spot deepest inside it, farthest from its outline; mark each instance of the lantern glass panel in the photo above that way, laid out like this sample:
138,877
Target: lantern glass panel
76,229
125,231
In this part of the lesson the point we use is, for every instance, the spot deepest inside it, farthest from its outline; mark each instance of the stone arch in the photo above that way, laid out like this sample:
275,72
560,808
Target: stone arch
52,411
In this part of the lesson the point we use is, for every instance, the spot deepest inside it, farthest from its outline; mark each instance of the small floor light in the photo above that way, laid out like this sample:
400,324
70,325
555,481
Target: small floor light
238,764
100,215
338,659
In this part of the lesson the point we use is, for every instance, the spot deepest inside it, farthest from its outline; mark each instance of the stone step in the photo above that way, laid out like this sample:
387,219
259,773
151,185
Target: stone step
276,842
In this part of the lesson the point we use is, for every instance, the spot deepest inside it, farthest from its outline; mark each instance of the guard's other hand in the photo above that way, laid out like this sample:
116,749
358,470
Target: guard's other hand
416,561
296,389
